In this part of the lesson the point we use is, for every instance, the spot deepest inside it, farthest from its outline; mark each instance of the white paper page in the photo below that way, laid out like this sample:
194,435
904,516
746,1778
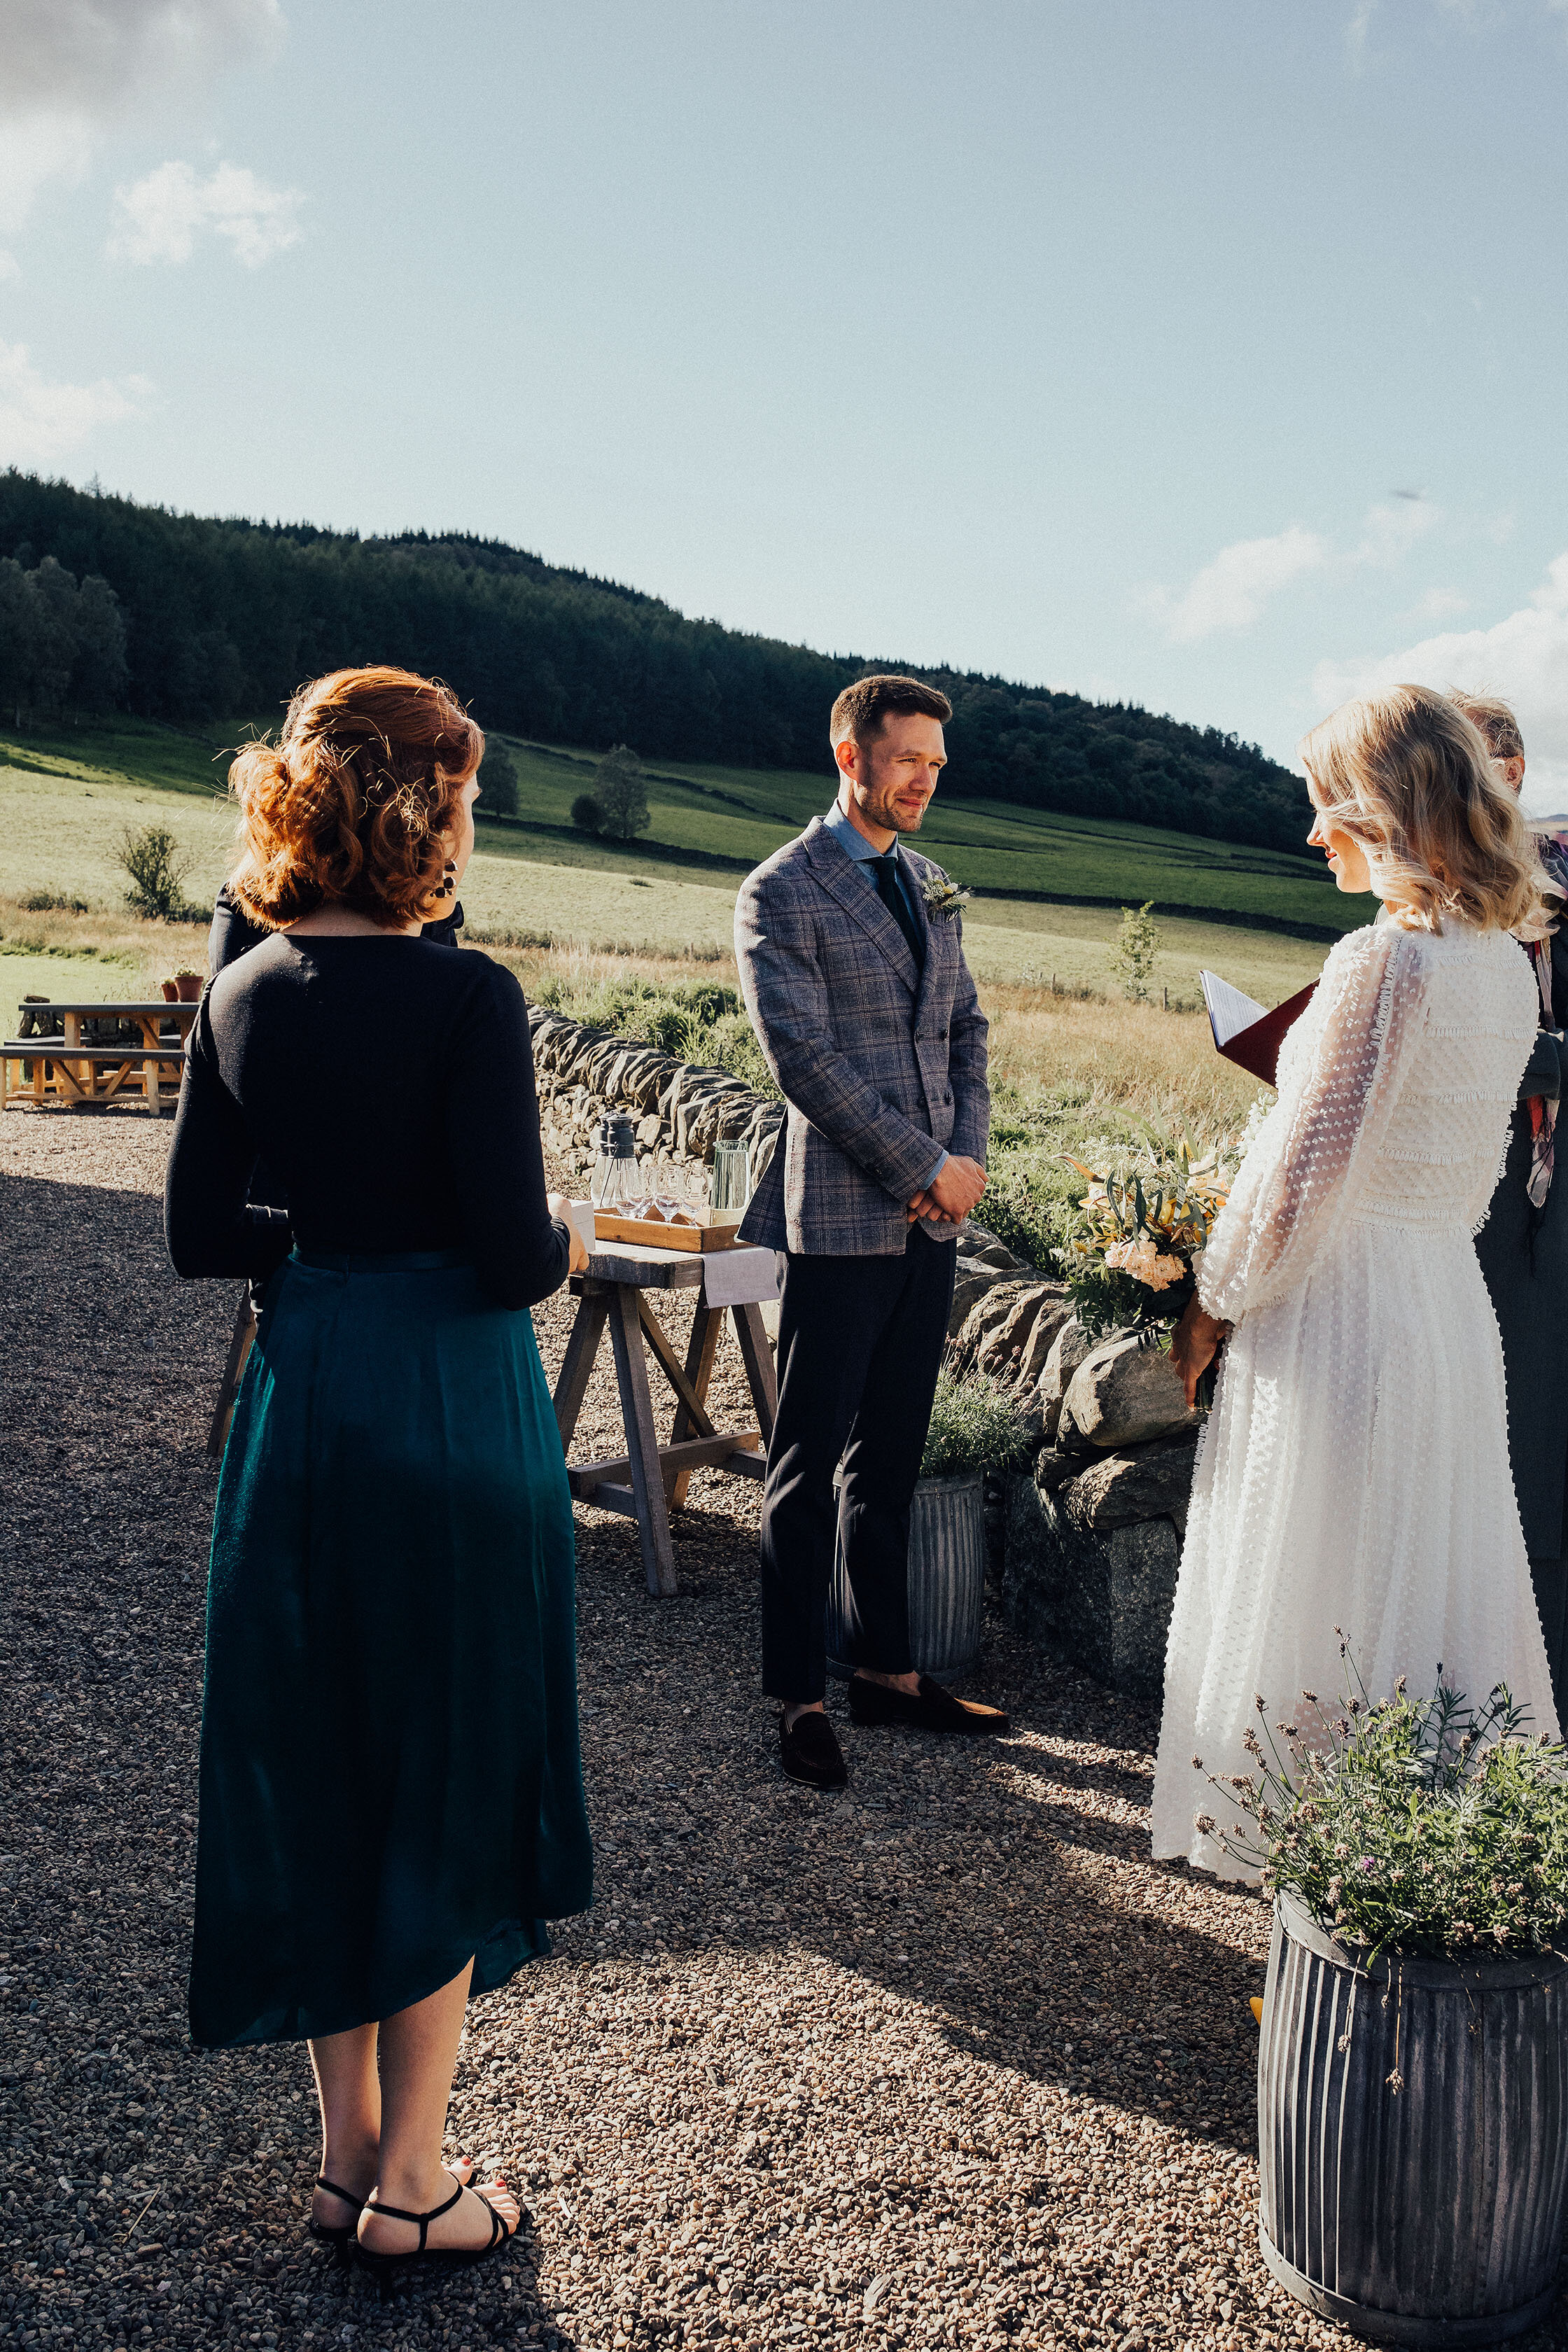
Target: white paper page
1229,1010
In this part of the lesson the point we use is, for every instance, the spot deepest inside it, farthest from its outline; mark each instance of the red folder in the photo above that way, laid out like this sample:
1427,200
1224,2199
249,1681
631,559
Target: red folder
1244,1031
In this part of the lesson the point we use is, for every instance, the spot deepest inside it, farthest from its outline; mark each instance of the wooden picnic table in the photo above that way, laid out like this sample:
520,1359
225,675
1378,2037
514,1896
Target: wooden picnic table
86,1076
649,1479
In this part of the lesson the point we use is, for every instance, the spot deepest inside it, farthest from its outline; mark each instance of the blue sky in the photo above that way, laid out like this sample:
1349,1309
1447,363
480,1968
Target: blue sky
1211,355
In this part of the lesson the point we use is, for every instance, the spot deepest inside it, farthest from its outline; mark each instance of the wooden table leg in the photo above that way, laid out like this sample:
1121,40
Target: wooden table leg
758,1357
706,1325
642,1442
577,1364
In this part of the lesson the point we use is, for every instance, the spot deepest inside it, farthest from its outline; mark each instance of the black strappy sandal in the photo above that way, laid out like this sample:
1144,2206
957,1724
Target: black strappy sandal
500,2230
339,2233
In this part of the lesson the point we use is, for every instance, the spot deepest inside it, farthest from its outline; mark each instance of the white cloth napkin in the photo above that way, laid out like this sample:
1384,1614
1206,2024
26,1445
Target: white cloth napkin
732,1278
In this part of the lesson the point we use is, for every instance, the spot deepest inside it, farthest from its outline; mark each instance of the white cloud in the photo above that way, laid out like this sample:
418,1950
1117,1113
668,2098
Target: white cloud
1442,605
160,217
70,69
1232,590
1390,532
40,423
1524,657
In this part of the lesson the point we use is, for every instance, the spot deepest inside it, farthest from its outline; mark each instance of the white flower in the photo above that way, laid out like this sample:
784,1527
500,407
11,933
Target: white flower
942,897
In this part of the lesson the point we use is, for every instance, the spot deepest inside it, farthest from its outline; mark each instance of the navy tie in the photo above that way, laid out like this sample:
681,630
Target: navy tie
884,869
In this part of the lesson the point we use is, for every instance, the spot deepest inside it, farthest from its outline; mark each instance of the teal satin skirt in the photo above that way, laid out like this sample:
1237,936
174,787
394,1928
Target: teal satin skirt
390,1775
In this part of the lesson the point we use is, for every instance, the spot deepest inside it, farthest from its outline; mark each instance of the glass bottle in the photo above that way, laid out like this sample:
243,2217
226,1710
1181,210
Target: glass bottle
613,1181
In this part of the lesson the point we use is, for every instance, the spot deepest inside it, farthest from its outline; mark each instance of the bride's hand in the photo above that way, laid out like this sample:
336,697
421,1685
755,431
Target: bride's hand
1195,1343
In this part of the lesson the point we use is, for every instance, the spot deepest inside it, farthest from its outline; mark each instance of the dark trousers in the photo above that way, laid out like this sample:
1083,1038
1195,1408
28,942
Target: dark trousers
859,1345
1550,1578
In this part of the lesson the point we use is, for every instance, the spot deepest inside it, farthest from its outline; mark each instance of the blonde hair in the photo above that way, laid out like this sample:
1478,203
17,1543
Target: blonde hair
1407,775
1497,722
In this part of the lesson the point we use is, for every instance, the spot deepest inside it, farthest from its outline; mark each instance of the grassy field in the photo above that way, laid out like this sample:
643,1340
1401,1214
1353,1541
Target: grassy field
67,800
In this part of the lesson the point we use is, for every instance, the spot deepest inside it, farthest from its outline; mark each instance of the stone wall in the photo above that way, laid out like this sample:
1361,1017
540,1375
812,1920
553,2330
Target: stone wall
1084,1545
1086,1542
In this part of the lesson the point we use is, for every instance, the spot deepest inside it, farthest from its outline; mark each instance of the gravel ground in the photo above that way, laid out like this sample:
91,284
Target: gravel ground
945,2061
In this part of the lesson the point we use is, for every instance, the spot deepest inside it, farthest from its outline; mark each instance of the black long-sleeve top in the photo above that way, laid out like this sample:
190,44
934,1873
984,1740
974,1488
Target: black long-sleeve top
389,1082
234,932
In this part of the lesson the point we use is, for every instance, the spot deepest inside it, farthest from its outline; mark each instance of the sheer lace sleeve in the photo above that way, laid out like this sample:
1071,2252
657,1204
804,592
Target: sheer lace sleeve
1342,1075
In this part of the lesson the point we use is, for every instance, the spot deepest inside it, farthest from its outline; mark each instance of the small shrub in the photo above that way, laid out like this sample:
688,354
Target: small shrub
53,902
973,1426
1419,1826
156,867
586,813
1137,945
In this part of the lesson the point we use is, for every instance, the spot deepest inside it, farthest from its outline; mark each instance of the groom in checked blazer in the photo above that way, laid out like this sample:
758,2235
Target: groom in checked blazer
855,981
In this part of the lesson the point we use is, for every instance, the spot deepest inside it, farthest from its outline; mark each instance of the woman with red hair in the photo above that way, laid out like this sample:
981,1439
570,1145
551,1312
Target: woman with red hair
391,1792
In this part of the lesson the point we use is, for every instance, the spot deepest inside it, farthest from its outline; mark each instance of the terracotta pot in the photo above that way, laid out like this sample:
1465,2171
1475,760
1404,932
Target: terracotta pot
188,987
171,989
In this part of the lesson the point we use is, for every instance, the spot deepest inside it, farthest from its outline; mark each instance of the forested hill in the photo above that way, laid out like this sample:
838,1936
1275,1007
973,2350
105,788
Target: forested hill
225,618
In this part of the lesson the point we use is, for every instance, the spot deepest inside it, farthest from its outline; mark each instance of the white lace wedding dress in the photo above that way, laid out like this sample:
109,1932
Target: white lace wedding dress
1355,1469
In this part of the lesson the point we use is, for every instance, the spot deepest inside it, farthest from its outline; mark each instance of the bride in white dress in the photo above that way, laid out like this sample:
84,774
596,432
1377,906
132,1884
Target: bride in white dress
1355,1470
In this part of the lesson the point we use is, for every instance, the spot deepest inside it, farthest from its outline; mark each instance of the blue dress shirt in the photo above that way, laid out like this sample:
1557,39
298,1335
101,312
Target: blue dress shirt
854,846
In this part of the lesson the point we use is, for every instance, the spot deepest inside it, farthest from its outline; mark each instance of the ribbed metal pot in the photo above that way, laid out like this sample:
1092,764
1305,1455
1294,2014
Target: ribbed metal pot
1433,2213
947,1581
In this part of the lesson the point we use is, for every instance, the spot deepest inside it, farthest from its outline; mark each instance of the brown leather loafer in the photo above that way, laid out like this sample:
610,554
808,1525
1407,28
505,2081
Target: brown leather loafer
930,1708
809,1750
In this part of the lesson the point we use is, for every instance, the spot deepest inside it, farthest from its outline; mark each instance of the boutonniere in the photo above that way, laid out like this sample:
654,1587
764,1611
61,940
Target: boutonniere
942,897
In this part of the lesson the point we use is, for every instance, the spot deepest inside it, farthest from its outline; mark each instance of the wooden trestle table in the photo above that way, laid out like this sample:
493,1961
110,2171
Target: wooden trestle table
648,1479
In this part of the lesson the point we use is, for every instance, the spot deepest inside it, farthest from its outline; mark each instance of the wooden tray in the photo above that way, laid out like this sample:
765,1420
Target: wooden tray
718,1233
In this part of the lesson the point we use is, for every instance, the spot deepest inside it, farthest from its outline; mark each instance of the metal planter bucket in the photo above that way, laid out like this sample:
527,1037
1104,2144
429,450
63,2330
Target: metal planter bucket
1431,2214
947,1581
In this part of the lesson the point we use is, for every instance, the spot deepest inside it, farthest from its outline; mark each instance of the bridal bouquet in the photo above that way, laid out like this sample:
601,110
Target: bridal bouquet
1130,1252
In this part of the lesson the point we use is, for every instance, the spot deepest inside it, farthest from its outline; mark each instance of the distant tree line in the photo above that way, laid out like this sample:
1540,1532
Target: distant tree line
62,643
222,618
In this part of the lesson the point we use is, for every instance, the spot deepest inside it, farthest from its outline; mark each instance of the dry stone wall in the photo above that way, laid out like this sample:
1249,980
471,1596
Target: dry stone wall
1084,1545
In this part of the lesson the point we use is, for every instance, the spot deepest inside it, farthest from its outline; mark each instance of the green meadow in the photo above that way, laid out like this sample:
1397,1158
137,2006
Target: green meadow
68,798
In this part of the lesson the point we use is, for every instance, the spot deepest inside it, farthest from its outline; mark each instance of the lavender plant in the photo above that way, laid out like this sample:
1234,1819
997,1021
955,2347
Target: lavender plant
1415,1826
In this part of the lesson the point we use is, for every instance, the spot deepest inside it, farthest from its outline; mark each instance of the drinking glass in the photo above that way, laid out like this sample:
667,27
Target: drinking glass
730,1188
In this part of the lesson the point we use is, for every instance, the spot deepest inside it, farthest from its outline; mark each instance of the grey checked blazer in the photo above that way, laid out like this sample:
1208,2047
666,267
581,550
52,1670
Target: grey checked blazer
877,1071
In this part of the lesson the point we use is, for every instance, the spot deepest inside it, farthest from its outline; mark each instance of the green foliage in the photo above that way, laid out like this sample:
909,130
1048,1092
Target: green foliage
586,813
620,790
219,610
54,902
498,780
973,1426
1134,956
156,867
62,648
703,1021
1425,1826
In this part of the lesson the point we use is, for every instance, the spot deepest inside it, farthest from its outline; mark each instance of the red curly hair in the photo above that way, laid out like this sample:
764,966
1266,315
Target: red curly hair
354,803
